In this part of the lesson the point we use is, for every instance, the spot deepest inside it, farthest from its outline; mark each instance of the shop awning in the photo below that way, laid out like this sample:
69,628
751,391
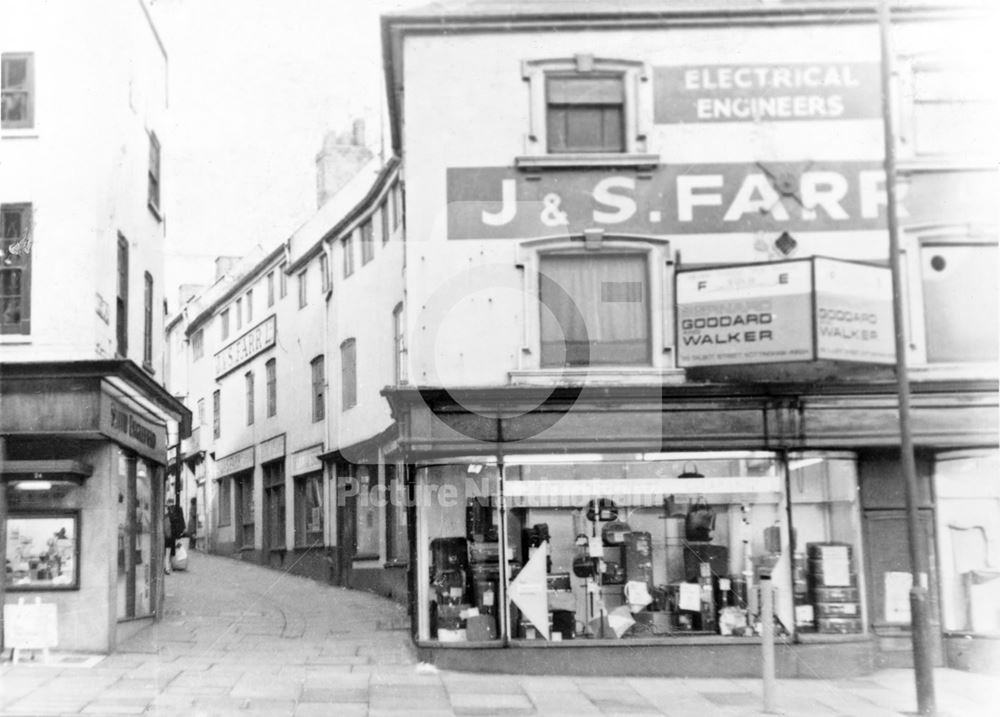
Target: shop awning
53,469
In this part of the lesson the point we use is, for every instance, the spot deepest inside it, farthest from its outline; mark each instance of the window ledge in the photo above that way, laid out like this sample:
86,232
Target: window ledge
944,163
954,371
25,133
610,375
396,564
600,159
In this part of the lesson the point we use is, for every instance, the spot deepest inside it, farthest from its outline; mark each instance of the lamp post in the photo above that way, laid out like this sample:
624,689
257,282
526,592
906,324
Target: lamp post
919,623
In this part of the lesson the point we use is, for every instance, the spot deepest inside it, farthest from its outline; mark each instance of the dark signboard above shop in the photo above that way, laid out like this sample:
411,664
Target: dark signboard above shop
504,203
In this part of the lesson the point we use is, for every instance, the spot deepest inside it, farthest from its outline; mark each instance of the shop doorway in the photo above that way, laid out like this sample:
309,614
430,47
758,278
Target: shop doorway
135,537
888,580
358,524
245,520
274,508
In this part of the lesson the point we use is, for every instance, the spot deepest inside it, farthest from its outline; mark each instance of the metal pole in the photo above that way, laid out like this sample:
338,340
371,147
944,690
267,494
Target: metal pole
919,623
767,642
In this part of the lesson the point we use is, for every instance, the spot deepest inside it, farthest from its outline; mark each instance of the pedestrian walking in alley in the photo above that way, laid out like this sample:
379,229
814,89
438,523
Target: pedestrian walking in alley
173,528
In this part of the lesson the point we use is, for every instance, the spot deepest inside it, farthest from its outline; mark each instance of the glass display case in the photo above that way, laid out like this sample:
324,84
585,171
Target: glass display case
43,551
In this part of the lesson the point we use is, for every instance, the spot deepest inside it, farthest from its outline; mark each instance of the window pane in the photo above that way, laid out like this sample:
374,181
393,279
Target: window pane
953,127
367,524
308,511
595,310
585,90
960,302
348,368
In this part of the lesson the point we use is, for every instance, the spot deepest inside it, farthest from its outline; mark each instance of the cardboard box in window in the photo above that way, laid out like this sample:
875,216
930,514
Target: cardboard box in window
452,635
479,628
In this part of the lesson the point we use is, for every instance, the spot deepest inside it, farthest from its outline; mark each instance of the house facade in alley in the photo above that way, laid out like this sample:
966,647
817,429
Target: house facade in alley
85,421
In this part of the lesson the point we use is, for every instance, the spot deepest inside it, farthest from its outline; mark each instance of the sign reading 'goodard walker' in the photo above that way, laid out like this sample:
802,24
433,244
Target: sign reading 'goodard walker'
766,93
776,312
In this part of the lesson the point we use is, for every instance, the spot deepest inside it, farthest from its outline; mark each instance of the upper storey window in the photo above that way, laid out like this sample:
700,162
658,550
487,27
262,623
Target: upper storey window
587,110
18,81
585,113
947,109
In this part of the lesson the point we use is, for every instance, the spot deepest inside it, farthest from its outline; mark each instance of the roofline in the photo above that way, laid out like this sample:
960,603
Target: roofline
125,369
237,286
396,25
363,205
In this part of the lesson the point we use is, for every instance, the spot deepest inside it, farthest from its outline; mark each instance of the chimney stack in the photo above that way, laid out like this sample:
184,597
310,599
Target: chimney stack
186,292
224,264
342,156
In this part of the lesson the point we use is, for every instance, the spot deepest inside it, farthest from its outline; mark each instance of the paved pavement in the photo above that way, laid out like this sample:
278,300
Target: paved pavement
241,640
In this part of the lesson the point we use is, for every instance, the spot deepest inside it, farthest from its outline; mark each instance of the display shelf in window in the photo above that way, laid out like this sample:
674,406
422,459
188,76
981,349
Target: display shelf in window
43,551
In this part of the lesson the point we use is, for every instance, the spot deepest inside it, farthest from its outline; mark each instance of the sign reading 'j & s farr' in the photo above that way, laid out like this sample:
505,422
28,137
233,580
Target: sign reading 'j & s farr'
503,203
260,338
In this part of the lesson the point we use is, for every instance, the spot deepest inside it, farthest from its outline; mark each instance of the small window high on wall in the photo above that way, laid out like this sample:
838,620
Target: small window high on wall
585,113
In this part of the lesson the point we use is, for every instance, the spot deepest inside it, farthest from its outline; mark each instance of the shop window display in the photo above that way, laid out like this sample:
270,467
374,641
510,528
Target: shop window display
42,551
968,529
827,570
637,547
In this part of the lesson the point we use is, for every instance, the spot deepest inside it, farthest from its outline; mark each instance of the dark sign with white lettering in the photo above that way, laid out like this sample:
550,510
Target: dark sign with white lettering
504,203
128,429
766,93
260,338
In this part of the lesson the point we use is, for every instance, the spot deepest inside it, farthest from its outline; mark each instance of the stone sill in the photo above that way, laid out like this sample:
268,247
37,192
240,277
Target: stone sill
582,159
611,376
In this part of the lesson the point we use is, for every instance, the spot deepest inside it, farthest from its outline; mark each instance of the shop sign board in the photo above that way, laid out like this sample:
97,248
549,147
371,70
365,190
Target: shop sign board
853,312
234,462
805,91
125,427
258,339
507,203
272,449
757,313
778,312
307,460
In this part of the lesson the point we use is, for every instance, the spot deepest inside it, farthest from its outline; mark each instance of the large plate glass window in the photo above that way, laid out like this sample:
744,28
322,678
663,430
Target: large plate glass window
968,529
309,510
43,551
827,562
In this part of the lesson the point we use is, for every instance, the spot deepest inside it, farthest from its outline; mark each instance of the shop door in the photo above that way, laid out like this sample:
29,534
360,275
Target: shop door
274,510
359,527
347,541
135,538
888,574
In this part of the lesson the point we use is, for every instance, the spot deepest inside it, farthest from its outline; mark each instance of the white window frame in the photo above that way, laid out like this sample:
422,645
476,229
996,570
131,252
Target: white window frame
906,125
915,239
637,121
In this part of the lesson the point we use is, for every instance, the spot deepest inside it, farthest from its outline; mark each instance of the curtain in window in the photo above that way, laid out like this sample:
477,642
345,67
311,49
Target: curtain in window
595,310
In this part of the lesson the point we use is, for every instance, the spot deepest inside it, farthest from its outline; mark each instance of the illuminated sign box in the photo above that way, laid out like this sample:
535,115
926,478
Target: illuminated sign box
800,310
